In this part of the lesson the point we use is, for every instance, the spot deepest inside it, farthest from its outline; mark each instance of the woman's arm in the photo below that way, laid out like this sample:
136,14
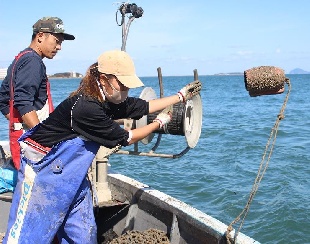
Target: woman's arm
183,95
140,133
161,103
163,118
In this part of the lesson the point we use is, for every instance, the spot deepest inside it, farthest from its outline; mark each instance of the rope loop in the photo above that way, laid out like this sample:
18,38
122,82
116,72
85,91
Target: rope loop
261,171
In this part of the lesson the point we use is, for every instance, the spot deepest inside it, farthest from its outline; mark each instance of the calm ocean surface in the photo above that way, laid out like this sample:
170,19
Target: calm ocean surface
217,175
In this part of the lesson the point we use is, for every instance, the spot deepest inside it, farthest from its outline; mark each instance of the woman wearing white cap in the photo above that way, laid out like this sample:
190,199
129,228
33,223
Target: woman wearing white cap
58,152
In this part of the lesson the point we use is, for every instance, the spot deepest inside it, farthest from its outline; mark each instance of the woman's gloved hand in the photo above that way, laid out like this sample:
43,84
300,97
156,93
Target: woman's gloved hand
164,117
189,91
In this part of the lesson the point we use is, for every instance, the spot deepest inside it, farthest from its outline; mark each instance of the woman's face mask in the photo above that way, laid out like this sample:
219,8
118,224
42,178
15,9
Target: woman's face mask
116,96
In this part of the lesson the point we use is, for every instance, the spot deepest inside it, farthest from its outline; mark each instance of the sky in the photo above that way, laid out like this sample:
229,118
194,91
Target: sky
177,36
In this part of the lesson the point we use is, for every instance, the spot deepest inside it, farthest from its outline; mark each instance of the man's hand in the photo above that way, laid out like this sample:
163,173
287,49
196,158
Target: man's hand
189,91
31,119
164,117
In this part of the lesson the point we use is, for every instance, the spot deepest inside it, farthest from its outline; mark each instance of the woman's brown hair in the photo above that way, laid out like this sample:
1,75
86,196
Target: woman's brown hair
89,84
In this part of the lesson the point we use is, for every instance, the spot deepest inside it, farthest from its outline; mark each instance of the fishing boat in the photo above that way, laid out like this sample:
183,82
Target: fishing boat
132,211
128,211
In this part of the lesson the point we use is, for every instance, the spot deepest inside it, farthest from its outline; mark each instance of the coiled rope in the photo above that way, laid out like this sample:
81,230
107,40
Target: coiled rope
261,171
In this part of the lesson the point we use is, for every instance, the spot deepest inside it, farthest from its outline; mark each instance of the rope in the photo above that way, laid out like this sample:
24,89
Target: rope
261,171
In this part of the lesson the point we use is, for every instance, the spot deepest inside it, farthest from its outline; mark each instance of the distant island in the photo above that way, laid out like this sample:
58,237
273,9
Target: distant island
66,75
299,71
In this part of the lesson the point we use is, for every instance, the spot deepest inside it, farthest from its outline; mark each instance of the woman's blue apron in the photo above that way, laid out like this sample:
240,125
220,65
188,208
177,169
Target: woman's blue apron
52,196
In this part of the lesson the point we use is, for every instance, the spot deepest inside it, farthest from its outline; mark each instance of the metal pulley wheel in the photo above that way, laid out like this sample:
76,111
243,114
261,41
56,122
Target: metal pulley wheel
186,119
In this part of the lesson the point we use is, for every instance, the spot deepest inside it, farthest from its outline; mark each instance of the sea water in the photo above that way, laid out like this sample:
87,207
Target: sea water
217,175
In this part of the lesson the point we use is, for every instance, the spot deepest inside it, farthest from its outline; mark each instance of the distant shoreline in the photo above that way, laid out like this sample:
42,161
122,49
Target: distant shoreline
219,74
233,73
54,77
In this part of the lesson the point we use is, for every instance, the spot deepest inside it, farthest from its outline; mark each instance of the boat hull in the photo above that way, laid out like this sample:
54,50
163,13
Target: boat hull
149,208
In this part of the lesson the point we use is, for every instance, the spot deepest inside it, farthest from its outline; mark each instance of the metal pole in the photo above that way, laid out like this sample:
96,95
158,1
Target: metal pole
103,191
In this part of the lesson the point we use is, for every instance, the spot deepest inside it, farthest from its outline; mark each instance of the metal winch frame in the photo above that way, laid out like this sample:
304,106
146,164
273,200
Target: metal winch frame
189,118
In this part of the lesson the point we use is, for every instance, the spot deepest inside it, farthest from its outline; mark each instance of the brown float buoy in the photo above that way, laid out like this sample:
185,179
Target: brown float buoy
264,80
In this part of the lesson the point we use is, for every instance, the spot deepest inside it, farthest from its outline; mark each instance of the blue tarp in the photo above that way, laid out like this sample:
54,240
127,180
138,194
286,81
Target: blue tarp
8,179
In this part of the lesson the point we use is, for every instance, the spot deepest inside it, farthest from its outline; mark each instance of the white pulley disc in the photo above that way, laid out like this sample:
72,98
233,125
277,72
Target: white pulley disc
193,120
147,94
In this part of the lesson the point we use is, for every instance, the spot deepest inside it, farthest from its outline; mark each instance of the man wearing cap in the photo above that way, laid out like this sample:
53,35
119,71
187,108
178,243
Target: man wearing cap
26,84
58,152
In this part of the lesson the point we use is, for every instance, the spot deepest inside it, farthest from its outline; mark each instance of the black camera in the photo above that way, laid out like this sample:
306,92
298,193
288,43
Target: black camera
131,8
